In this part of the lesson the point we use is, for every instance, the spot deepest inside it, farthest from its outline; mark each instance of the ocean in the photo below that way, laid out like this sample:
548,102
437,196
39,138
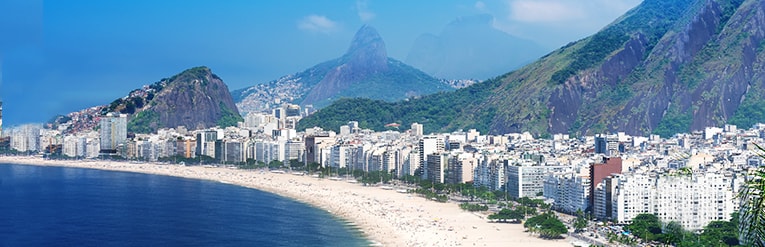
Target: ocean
55,206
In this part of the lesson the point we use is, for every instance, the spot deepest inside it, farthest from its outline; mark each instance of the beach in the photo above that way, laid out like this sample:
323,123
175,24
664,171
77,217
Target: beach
385,215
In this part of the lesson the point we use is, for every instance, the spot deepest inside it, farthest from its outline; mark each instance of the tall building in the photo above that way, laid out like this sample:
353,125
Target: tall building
599,171
417,129
25,138
606,144
603,198
230,151
527,178
569,191
206,143
314,144
346,155
429,145
460,168
113,133
436,166
294,150
693,199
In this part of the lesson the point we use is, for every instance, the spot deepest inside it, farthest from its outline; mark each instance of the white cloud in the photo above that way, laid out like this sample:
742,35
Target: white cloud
481,6
318,23
362,9
545,11
555,22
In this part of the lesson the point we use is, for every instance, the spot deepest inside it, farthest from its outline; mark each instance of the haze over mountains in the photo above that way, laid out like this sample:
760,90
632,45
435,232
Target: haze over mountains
664,67
471,48
365,70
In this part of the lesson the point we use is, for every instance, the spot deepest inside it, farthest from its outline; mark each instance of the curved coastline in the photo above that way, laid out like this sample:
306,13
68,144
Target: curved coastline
384,216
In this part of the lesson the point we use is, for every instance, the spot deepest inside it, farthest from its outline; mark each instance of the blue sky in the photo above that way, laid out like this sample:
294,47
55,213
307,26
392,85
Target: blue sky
62,56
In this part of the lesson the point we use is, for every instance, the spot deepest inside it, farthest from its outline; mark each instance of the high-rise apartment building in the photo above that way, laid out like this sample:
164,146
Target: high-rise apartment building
569,191
417,129
692,199
429,145
206,143
113,133
26,138
527,178
607,144
436,166
599,171
314,144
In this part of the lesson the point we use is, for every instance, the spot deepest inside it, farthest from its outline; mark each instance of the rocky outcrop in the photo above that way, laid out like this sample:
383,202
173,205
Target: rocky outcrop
687,74
195,98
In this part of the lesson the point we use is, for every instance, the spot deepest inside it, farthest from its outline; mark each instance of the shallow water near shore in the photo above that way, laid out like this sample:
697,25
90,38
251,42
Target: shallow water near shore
55,206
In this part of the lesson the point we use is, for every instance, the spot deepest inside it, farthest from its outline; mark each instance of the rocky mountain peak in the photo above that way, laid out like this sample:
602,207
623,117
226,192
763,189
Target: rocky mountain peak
195,98
367,51
364,71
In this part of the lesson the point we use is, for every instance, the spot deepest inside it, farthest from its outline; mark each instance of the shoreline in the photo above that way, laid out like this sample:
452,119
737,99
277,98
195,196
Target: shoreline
384,217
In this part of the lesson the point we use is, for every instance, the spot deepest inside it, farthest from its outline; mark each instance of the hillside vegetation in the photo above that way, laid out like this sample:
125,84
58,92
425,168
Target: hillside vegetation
664,67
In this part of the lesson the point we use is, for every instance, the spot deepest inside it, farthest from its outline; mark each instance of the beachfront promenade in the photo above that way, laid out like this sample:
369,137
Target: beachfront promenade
385,216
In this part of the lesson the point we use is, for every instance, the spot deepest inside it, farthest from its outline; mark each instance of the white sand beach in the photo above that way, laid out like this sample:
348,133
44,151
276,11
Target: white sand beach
386,216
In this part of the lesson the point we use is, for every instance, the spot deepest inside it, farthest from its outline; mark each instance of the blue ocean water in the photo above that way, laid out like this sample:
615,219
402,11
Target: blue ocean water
54,206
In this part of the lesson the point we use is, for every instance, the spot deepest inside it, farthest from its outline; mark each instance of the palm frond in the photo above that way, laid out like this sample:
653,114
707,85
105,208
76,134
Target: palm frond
752,222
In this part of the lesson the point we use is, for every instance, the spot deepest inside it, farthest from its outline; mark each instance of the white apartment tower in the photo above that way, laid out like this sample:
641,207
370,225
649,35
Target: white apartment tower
527,178
113,132
693,200
26,138
429,145
206,143
569,191
417,129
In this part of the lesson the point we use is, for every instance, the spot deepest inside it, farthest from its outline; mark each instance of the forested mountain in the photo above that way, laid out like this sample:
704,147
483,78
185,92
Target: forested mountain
666,66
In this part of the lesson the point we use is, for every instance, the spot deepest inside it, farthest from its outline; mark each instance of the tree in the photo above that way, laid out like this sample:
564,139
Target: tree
474,207
506,214
646,227
673,233
752,221
313,166
720,232
547,225
581,222
275,164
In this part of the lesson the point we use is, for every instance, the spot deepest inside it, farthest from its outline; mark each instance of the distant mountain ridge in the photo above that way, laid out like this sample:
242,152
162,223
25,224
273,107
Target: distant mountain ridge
664,67
470,47
365,70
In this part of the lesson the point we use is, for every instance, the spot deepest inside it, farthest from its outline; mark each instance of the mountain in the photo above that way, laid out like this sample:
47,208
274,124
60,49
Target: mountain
666,66
470,47
365,70
195,99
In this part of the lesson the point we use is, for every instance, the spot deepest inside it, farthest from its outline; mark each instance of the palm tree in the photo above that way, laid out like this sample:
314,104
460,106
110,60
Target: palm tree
752,221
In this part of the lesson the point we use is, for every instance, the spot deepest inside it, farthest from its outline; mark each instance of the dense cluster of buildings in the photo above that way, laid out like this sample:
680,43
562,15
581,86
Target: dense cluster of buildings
689,178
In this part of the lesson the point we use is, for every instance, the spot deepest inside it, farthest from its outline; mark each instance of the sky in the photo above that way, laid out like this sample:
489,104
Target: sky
58,57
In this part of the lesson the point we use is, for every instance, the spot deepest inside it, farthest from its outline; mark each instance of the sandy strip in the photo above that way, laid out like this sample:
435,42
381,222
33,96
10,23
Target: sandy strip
386,216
